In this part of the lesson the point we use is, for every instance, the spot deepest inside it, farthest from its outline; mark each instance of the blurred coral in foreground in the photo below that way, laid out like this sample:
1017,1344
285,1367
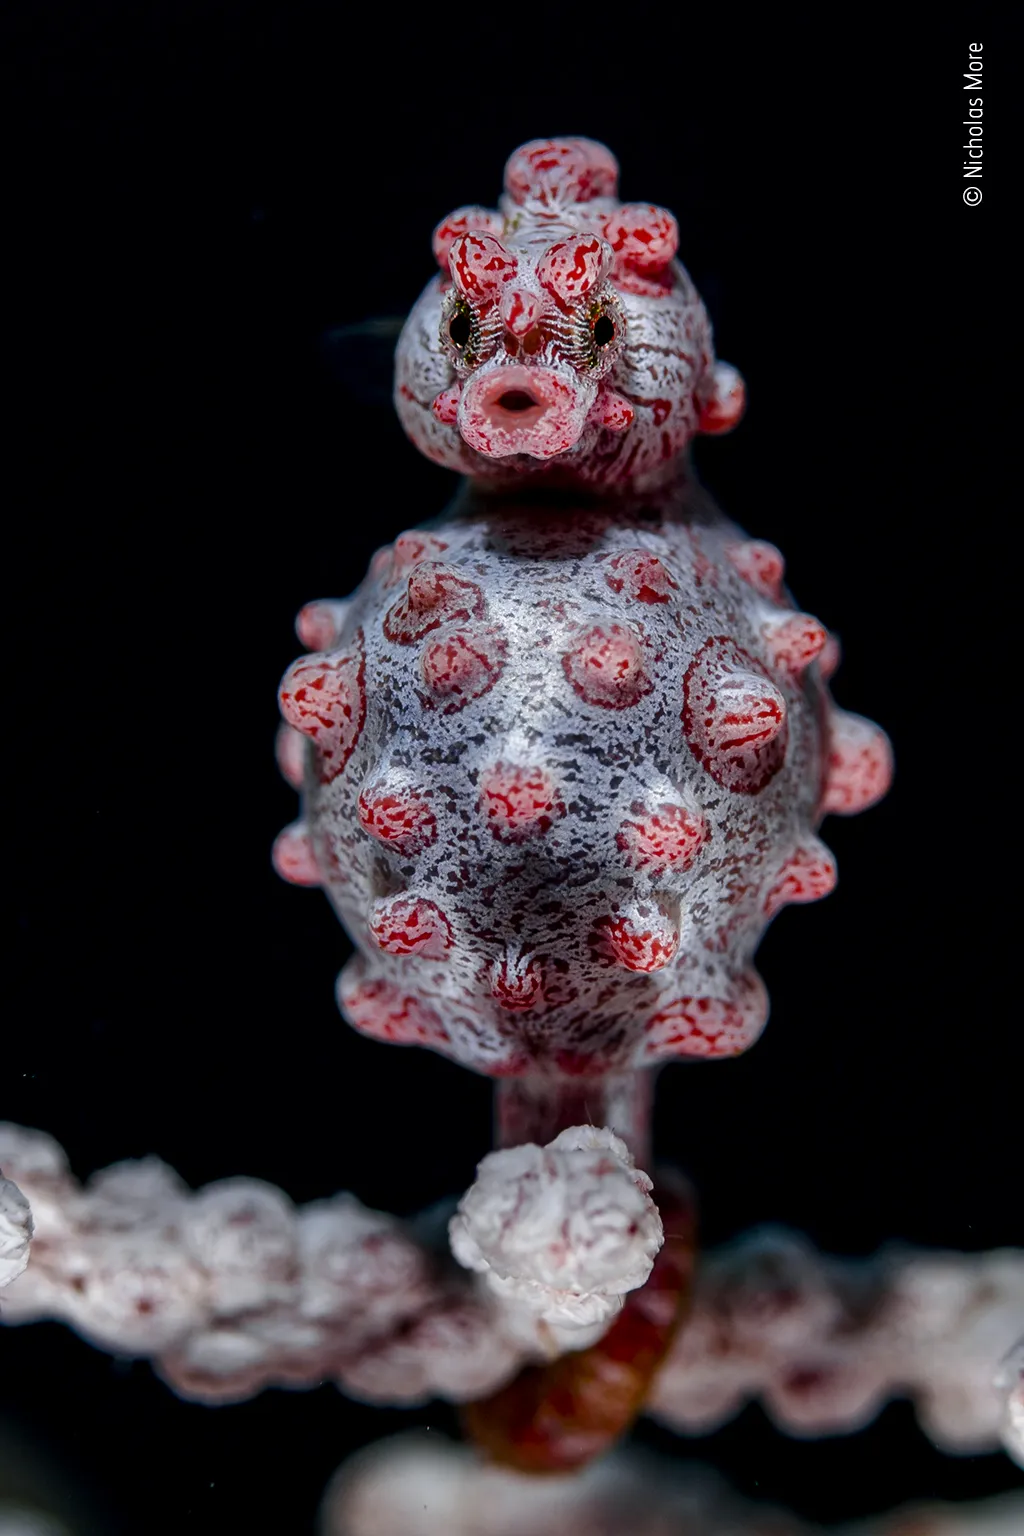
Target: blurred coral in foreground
421,1485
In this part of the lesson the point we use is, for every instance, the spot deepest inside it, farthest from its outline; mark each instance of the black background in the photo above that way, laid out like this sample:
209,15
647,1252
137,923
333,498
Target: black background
196,194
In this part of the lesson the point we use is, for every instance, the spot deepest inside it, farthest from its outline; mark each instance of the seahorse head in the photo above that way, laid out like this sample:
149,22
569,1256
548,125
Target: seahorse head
561,339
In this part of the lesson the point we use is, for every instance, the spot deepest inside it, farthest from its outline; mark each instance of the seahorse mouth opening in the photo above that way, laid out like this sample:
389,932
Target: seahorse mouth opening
521,409
516,400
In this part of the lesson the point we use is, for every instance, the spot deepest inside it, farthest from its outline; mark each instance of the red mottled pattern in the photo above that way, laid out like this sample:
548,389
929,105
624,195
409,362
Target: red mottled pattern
708,1026
445,406
380,1009
642,943
461,666
807,875
434,596
293,855
606,667
561,172
572,269
519,802
724,401
667,838
409,927
520,310
480,265
463,221
859,766
403,820
795,642
516,982
761,564
317,625
644,240
641,576
411,549
611,410
324,697
734,717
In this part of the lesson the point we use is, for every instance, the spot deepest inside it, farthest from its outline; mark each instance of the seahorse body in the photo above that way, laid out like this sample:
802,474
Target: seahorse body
567,748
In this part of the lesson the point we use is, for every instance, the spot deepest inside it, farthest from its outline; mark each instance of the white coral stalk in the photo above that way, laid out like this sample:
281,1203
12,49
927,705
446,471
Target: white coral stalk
1010,1385
15,1231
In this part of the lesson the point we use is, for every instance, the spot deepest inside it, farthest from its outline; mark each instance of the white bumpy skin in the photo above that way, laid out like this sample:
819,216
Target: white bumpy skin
564,764
562,1232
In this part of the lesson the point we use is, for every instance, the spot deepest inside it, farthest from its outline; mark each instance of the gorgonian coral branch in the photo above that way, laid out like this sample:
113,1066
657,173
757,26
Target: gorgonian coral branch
231,1289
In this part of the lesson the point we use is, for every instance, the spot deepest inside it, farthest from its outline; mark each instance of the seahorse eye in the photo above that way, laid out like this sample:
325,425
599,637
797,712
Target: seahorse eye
460,328
604,331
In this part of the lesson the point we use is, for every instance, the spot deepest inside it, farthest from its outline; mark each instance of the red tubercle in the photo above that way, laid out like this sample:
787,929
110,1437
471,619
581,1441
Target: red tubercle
725,403
637,574
707,1026
383,1011
400,819
434,595
445,405
464,221
318,624
554,172
410,549
480,266
462,666
324,697
795,641
643,237
411,925
293,857
643,944
666,838
858,766
571,269
520,310
831,656
611,410
290,753
517,982
807,875
519,802
760,564
734,717
558,1417
606,666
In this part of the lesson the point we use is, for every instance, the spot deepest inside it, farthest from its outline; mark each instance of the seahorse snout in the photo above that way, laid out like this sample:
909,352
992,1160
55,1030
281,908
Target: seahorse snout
513,408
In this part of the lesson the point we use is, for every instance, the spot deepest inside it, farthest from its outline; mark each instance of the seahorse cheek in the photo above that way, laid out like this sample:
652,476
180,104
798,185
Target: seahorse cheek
514,408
